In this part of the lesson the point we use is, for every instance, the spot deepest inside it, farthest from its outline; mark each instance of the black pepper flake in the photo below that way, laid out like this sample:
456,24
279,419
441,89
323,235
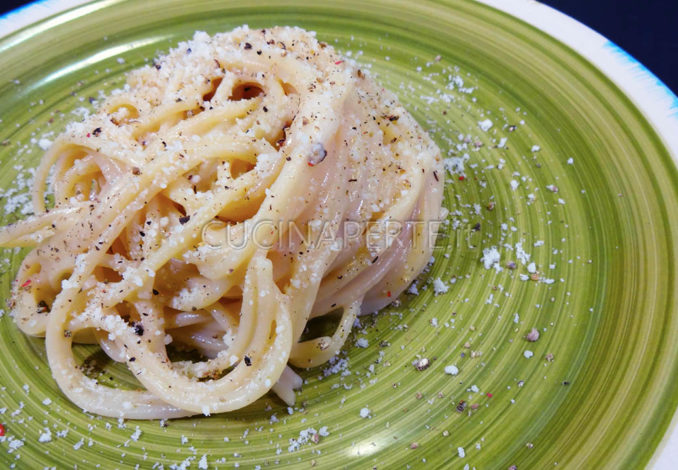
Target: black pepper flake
138,328
461,406
136,171
476,227
375,259
189,50
96,132
565,382
265,109
259,52
393,118
248,361
435,175
155,292
43,307
67,333
184,219
143,234
422,364
248,45
132,359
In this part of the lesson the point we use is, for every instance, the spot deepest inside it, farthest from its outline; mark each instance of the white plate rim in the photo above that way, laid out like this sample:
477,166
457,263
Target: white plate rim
649,94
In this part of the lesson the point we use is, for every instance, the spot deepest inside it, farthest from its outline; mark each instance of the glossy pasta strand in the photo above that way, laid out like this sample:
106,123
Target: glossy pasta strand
207,207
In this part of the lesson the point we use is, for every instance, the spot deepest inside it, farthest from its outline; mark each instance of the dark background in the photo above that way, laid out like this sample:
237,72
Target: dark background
646,29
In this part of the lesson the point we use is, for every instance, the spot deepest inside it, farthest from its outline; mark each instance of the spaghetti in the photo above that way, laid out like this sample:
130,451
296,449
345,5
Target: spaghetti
207,205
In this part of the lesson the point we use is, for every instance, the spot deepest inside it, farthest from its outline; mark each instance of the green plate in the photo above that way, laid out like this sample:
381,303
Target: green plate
604,245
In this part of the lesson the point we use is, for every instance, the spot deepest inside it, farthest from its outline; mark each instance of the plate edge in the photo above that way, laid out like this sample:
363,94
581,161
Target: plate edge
650,95
654,99
35,11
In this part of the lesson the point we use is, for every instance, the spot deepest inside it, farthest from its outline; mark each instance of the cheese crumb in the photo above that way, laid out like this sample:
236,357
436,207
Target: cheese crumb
451,370
362,343
491,258
439,287
485,125
45,436
136,435
44,144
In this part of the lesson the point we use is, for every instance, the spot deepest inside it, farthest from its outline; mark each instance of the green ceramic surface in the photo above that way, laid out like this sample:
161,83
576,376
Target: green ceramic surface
607,238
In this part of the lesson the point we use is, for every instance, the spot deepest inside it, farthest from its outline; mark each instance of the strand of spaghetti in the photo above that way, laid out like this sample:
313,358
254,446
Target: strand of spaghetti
266,135
238,388
418,254
285,386
121,196
62,146
85,392
184,236
319,350
198,220
35,229
367,278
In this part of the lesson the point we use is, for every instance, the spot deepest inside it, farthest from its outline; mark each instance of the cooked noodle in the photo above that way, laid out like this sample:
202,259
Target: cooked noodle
189,211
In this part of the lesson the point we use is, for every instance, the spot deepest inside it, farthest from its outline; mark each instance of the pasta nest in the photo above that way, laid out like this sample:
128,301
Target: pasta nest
233,190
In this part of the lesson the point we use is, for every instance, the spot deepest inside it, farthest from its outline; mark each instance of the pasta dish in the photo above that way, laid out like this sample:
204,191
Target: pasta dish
232,191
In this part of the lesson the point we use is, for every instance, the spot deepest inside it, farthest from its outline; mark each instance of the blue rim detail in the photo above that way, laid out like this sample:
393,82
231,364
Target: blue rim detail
609,45
27,6
646,74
